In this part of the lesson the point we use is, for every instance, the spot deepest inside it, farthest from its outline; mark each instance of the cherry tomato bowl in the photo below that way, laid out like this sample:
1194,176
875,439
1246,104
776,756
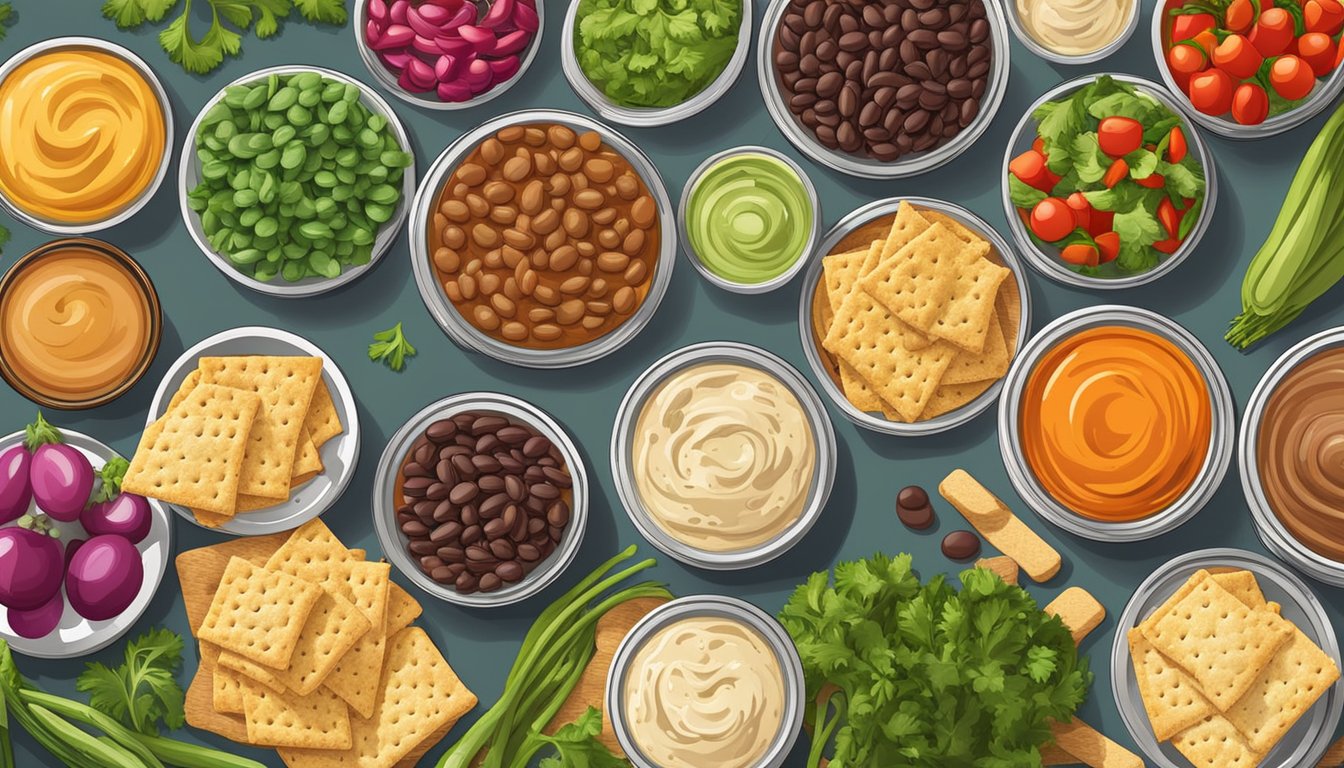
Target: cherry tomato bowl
1246,70
1051,260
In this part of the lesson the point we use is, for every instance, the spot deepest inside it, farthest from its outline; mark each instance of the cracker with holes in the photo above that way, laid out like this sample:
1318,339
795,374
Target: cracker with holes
258,614
1171,698
1298,675
314,721
1215,743
332,629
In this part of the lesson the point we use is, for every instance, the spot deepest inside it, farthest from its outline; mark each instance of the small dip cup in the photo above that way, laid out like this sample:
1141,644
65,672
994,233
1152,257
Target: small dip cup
1276,537
649,117
154,315
709,606
384,506
165,105
1025,37
683,209
623,436
1216,459
1309,738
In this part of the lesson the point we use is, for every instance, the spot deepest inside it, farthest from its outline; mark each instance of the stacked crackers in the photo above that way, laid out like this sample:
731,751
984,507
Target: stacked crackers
315,651
1222,675
918,323
239,435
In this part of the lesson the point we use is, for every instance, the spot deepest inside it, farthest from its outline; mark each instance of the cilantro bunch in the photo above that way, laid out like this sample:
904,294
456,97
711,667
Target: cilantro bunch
926,675
655,53
228,20
6,15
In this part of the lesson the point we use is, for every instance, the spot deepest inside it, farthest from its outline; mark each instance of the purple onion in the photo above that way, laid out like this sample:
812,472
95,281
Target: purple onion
425,45
127,515
377,10
445,68
396,61
454,92
503,69
512,43
16,486
526,17
104,577
477,75
396,36
40,621
31,565
464,15
422,27
397,11
499,12
454,46
61,475
433,14
71,547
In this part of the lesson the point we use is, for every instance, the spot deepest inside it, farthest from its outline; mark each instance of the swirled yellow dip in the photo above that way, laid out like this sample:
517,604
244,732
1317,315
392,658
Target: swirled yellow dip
704,692
1076,27
82,135
723,457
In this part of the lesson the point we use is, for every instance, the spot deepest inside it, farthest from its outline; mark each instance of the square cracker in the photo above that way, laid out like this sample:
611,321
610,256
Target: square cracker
1285,689
991,363
258,613
949,397
917,282
285,385
333,627
402,609
418,693
1220,641
965,321
306,458
869,338
322,422
312,553
1243,586
355,677
906,225
960,230
1215,743
316,721
1171,698
840,271
194,454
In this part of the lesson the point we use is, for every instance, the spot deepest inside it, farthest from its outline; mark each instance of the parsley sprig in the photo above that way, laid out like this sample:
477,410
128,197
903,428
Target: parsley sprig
391,348
140,692
6,13
228,20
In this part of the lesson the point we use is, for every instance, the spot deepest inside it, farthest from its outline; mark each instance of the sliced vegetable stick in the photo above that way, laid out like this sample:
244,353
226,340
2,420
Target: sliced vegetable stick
1091,747
1000,526
1079,610
1004,566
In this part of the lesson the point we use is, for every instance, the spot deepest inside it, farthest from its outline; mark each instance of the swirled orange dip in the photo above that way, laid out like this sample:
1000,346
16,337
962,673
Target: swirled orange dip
82,135
1115,423
75,324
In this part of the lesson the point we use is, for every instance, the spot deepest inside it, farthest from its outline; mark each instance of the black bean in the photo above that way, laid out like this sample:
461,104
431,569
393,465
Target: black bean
510,571
502,548
490,582
496,528
415,487
449,531
961,545
441,431
472,534
557,514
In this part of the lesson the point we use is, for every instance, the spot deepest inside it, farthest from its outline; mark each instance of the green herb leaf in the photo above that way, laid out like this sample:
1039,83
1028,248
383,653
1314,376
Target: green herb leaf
1088,160
6,13
1023,195
322,11
577,745
142,691
391,348
1142,163
109,479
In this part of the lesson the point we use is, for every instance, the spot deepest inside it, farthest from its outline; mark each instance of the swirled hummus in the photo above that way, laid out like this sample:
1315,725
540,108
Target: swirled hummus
1075,27
82,135
1115,423
1300,453
74,324
704,692
723,457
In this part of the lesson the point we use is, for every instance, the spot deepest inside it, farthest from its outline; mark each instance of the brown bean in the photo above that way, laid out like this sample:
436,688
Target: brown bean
569,312
575,223
545,222
643,213
471,174
612,261
514,331
589,199
564,258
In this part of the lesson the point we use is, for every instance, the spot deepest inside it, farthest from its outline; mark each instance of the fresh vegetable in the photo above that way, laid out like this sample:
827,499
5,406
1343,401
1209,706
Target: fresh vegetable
655,53
1240,15
16,488
6,13
1080,254
1177,149
930,673
1250,104
1303,256
577,745
1273,32
1029,167
40,621
1108,246
1291,77
1185,26
1186,59
1118,135
140,692
1323,16
61,475
1211,91
1116,172
1318,50
1052,219
1082,210
112,512
31,567
391,347
104,577
228,20
554,654
1237,57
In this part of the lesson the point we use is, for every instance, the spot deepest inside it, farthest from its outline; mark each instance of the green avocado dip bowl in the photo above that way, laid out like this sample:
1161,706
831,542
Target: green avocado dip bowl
749,216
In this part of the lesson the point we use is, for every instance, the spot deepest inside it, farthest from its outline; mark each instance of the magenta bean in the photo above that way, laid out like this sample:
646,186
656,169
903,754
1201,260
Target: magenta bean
398,10
451,5
372,34
483,40
464,15
434,14
423,28
525,17
512,43
408,84
395,60
395,36
478,75
499,12
377,10
425,45
454,92
445,68
422,74
454,46
505,68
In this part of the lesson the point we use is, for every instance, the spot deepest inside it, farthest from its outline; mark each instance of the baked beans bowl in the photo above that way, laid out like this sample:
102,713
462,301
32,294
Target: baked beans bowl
481,499
886,89
543,239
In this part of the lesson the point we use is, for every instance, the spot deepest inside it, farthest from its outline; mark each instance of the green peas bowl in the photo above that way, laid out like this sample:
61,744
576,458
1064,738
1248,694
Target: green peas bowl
295,180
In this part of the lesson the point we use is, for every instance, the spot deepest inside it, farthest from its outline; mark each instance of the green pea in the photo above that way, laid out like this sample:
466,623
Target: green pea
314,229
378,213
249,217
265,271
255,97
299,115
384,194
292,271
337,113
266,226
246,256
283,99
332,91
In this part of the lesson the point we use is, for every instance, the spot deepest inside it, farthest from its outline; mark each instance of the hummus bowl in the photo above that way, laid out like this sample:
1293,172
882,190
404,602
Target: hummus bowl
1201,483
632,473
1269,523
732,612
1306,742
1022,29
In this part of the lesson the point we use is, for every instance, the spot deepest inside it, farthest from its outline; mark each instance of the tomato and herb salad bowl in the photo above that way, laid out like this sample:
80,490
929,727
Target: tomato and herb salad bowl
1106,183
1249,69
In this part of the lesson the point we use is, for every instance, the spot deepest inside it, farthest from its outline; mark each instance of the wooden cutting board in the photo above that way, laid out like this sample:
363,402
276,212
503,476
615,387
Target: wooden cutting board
200,570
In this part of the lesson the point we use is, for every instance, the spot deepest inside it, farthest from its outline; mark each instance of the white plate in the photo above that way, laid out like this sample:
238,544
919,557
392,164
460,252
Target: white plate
76,635
339,454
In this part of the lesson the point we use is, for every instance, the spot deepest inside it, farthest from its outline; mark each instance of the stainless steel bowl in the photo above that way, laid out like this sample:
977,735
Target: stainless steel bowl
1048,264
1216,459
648,117
189,175
1321,97
623,435
468,336
868,167
160,94
857,219
1091,57
384,493
388,82
1276,537
1308,740
715,606
812,236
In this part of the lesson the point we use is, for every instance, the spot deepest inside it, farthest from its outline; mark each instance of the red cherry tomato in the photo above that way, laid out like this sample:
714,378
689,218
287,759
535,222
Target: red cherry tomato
1240,15
1186,59
1116,173
1108,246
1176,146
1323,16
1186,26
1039,145
1152,181
1029,167
1168,217
1273,32
1250,104
1291,78
1211,91
1237,57
1082,254
1082,209
1102,221
1167,246
1318,50
1052,220
1119,136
